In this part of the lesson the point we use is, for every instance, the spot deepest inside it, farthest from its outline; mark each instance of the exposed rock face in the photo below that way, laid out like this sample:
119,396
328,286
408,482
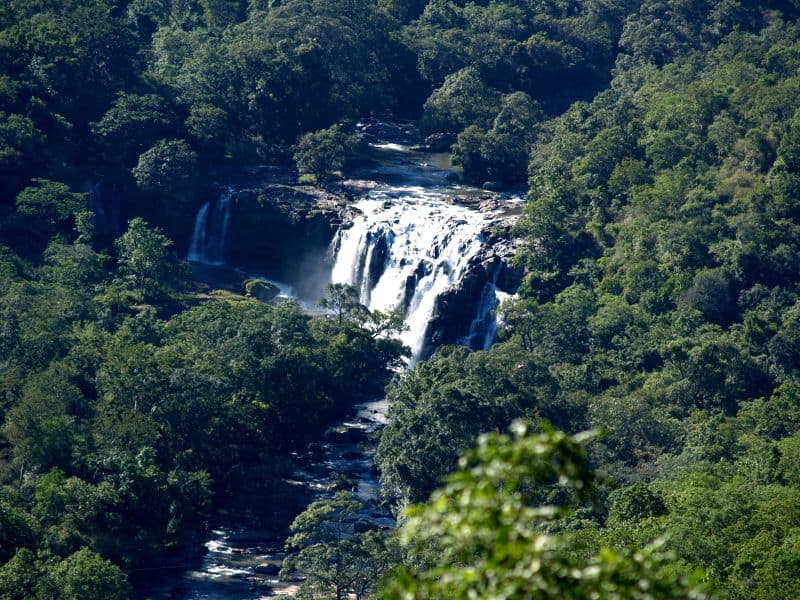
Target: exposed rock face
404,237
284,231
456,309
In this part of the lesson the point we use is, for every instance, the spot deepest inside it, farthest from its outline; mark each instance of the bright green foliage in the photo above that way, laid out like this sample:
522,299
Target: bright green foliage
19,139
145,261
82,575
659,303
42,426
86,575
208,126
462,100
169,167
132,125
121,429
50,201
325,152
437,411
342,300
482,533
337,562
500,154
634,503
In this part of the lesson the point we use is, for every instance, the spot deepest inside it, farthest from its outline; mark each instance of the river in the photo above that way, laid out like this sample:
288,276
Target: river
416,238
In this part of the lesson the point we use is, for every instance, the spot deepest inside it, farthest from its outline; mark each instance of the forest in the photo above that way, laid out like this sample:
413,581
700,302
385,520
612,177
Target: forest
635,431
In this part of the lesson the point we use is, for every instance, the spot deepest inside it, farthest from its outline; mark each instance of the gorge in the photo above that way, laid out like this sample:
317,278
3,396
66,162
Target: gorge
411,240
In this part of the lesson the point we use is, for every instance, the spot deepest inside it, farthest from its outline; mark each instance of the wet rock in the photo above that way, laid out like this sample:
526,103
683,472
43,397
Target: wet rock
282,230
387,132
267,569
440,142
363,525
352,455
489,205
344,481
351,435
368,138
492,186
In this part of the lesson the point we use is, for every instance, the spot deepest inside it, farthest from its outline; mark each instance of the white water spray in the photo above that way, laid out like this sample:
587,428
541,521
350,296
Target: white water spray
406,249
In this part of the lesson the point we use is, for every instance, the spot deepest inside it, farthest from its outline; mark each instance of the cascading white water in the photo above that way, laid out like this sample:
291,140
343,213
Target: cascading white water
405,250
211,230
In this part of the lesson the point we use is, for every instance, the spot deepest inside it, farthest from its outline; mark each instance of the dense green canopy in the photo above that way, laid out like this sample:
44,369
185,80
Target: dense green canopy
660,251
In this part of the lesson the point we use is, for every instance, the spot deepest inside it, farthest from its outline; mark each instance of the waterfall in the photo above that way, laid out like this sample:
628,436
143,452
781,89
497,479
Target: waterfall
483,329
211,230
405,250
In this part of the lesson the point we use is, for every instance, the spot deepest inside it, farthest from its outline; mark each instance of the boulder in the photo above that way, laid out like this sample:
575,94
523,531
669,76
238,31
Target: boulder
388,132
261,290
267,569
440,142
363,525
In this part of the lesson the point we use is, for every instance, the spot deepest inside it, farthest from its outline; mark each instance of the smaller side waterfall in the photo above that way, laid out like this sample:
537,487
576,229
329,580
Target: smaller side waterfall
211,230
483,329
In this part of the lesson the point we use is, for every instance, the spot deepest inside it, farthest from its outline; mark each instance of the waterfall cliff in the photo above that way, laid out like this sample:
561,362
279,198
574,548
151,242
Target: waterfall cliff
411,247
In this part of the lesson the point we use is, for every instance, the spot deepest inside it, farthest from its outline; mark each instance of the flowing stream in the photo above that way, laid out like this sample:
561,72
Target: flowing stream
408,244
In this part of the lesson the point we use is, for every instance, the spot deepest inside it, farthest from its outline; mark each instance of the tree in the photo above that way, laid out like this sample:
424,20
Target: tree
42,426
168,168
50,201
785,172
208,126
343,301
219,14
501,153
463,100
86,575
16,531
710,293
132,124
634,503
20,140
439,408
20,576
146,262
337,561
481,535
325,152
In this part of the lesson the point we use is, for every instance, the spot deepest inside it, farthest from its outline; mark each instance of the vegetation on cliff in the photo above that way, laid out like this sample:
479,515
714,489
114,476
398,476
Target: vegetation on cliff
661,143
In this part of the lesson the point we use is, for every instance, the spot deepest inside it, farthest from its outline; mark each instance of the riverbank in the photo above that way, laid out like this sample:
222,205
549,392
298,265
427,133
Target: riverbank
244,548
